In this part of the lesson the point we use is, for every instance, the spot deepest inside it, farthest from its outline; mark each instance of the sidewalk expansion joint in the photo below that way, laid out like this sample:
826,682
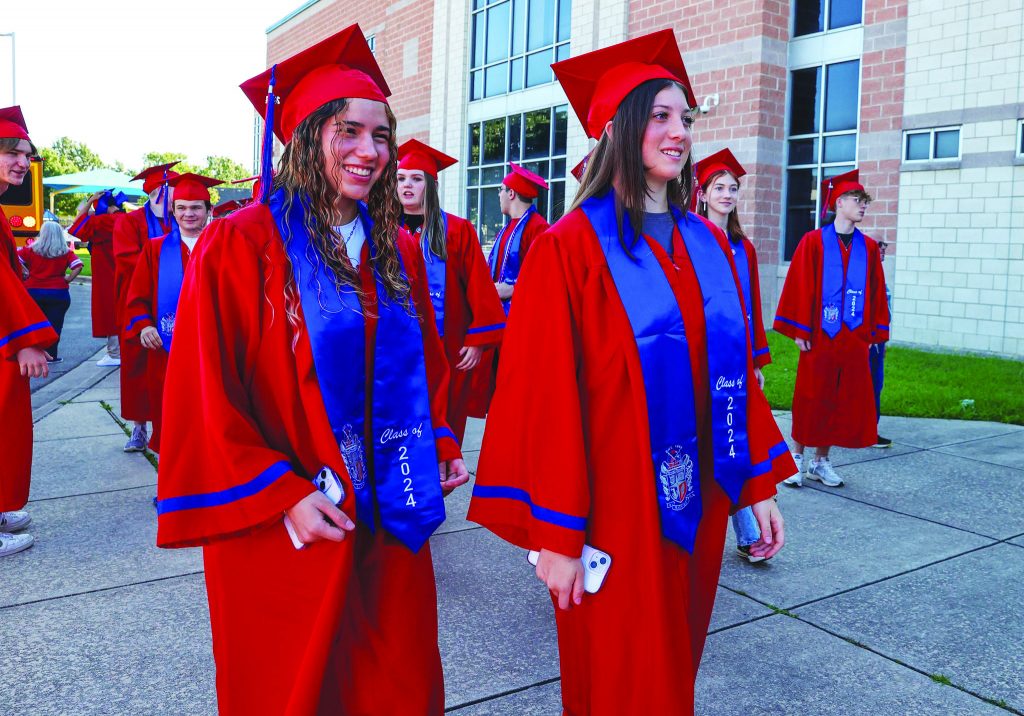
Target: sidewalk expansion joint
972,440
99,590
503,694
97,492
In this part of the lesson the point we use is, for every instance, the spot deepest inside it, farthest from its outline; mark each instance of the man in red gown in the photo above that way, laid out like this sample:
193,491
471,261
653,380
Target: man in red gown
145,321
516,195
470,315
24,332
130,235
97,217
833,305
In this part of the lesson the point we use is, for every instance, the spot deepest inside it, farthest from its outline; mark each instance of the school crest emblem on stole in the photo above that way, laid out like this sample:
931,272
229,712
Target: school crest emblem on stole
676,478
352,453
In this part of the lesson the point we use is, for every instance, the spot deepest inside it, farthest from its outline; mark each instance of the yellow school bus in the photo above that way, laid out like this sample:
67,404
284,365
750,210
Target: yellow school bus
23,204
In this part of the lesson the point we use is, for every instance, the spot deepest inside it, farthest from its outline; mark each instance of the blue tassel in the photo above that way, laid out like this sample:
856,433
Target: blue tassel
267,160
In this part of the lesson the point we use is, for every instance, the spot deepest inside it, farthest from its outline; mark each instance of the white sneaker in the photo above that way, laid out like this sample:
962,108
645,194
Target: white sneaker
796,480
12,544
107,362
14,521
821,470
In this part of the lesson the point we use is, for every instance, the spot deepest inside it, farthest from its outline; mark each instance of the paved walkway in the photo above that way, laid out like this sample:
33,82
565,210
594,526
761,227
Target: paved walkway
898,594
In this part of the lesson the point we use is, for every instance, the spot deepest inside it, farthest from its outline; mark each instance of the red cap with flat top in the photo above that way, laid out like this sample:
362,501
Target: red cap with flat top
155,176
597,82
414,154
193,187
524,182
834,187
341,66
577,171
722,161
12,124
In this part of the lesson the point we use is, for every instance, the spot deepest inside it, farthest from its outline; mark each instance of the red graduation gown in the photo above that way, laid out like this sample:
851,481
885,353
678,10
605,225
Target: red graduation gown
762,356
130,235
98,231
141,301
22,325
535,226
569,427
473,316
337,628
834,399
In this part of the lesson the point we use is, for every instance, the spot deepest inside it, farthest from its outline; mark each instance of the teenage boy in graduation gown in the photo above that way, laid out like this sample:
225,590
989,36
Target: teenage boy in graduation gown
24,333
305,340
571,456
130,235
153,293
466,306
94,224
833,305
516,195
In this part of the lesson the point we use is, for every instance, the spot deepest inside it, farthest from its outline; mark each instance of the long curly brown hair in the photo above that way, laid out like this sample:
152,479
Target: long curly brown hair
303,177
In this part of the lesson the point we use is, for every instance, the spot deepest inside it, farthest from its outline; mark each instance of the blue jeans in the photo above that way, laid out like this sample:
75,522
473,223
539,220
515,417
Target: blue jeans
876,359
745,525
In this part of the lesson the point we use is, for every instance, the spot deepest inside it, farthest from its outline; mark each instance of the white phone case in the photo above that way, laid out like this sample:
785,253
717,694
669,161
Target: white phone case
328,483
595,567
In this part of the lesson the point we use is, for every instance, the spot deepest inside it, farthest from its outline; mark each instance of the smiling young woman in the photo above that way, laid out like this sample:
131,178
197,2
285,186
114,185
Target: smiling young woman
642,434
304,358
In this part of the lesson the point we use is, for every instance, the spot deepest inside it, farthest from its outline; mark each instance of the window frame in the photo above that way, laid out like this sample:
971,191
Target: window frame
511,57
827,13
932,132
1020,138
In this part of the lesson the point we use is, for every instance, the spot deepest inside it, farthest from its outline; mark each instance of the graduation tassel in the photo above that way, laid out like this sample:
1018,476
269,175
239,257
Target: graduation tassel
824,203
267,160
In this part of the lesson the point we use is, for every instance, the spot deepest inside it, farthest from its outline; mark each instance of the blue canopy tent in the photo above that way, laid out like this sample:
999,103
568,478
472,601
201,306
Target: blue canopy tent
91,182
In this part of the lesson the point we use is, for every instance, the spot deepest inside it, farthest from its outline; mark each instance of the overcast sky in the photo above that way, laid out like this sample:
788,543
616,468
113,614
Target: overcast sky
129,78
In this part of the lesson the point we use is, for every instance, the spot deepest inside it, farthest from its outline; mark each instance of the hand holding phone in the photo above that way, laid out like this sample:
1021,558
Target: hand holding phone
327,482
595,567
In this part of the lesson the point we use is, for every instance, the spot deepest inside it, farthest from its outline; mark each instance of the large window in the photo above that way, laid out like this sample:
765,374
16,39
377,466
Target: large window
514,44
823,113
534,140
811,16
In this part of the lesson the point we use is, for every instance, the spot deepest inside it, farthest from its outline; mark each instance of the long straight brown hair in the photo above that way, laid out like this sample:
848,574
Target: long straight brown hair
433,220
732,222
617,159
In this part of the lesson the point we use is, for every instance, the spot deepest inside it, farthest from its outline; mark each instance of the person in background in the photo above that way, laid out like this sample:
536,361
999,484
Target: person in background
131,233
24,332
52,266
94,225
516,195
467,308
833,306
876,358
718,180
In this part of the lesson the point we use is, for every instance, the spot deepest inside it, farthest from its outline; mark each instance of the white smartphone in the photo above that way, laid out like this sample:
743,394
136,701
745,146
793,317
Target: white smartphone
595,567
328,483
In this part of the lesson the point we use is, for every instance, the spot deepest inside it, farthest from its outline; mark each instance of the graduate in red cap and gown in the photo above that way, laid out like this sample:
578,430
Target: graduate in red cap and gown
716,198
130,235
515,197
632,428
306,358
24,333
833,305
153,294
467,309
94,225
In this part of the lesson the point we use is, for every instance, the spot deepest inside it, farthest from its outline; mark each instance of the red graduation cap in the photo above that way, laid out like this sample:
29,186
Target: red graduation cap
155,176
834,187
577,171
723,161
193,187
256,187
225,208
12,123
340,66
414,154
597,82
524,182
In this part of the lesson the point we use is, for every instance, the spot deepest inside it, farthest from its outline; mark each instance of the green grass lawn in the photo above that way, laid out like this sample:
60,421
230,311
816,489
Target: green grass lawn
922,384
86,259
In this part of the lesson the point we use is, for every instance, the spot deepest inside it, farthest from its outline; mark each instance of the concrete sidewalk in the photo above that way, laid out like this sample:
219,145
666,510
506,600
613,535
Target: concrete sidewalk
897,594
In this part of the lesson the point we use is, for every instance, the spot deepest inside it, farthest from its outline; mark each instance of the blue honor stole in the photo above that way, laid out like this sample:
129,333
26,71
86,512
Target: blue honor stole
508,268
657,324
436,275
170,274
843,297
739,255
405,488
155,226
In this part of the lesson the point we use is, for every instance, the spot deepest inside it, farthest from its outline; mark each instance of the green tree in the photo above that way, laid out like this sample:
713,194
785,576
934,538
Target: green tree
152,159
67,156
